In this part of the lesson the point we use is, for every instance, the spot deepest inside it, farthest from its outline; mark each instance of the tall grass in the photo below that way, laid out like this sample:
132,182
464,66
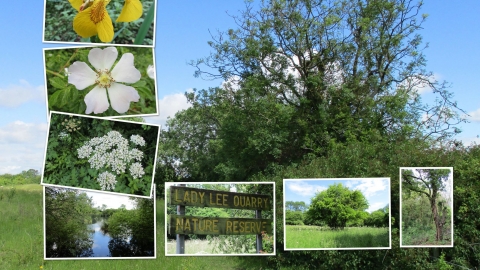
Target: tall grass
21,240
323,237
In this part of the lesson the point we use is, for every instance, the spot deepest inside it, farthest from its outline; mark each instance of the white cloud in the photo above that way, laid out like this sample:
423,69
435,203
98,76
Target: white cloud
303,188
376,206
169,106
469,141
474,116
369,187
20,132
418,83
110,200
23,146
16,95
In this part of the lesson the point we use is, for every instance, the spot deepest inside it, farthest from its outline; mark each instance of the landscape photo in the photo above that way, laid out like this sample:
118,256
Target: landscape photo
225,219
81,224
337,213
426,212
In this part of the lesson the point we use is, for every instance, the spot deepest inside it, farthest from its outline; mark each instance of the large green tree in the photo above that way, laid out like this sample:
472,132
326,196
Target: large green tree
429,183
338,205
301,76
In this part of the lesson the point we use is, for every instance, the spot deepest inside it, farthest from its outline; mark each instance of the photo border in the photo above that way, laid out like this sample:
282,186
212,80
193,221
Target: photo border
216,255
400,213
90,43
101,191
101,258
157,106
332,179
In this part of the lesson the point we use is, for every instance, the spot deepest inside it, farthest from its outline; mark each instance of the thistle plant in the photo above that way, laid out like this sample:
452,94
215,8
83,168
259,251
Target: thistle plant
113,154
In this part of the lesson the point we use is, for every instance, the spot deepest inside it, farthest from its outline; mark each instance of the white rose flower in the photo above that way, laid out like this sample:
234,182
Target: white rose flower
106,80
151,72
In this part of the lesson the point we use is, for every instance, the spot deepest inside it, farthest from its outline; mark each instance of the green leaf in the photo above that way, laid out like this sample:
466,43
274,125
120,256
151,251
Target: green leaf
62,97
58,82
142,32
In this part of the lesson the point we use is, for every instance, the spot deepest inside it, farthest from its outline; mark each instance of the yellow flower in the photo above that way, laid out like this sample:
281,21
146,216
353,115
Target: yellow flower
131,11
92,19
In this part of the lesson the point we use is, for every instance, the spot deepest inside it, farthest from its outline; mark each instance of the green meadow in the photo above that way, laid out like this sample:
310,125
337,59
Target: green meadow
22,245
323,237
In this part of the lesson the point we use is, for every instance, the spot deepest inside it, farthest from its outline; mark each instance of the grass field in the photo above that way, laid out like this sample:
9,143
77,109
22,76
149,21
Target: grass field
322,237
21,241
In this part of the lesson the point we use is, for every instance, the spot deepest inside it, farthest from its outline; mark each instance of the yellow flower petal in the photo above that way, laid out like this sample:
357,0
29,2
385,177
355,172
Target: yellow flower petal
83,25
105,29
94,20
131,11
76,4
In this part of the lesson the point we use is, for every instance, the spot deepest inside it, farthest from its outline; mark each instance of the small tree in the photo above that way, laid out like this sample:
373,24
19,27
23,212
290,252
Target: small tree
338,205
429,182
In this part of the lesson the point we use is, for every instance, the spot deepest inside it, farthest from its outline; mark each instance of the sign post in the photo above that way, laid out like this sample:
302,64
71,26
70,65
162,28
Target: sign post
186,196
180,237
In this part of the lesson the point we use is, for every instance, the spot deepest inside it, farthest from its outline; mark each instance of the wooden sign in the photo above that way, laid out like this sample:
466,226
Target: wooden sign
222,199
217,226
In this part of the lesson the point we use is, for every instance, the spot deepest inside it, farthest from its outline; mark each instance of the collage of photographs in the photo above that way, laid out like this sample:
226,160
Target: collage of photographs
310,134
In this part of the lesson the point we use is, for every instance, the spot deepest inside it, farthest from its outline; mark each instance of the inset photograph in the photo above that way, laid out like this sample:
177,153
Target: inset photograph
220,218
100,154
100,21
337,213
426,207
101,81
81,225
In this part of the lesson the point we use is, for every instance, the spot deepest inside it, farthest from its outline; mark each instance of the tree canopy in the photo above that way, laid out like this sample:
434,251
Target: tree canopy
338,205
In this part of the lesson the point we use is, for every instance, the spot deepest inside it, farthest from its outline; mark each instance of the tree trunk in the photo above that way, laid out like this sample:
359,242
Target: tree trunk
436,219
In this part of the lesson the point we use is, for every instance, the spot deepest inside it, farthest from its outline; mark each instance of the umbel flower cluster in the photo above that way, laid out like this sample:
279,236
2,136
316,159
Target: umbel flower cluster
112,151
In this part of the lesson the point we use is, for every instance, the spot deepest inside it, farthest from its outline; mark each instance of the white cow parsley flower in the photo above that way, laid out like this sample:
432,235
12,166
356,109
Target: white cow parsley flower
107,181
106,80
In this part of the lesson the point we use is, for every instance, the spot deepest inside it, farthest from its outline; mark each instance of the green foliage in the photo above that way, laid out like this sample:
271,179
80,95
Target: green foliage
378,218
296,206
428,183
325,88
64,167
67,213
338,205
59,17
30,176
135,227
293,217
65,97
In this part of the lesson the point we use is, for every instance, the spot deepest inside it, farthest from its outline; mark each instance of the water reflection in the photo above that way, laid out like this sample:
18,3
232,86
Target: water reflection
100,239
106,246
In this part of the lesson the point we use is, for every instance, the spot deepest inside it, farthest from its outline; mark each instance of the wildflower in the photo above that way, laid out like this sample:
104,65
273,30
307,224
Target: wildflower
151,72
112,151
132,10
107,181
106,79
93,19
137,139
136,170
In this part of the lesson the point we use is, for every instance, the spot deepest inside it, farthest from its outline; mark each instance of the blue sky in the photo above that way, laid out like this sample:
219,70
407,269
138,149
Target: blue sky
182,33
375,190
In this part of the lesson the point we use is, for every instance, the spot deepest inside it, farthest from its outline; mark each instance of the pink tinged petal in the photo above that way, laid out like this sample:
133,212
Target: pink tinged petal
103,59
96,100
125,71
121,96
81,75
